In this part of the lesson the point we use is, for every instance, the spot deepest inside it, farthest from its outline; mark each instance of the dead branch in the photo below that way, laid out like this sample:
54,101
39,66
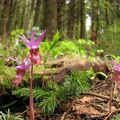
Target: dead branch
98,95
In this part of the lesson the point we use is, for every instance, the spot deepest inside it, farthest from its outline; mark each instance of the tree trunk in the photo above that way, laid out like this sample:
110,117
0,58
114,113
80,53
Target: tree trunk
4,18
22,25
118,8
93,27
1,7
82,20
31,15
97,20
60,13
92,14
37,13
11,16
71,19
77,20
107,15
50,17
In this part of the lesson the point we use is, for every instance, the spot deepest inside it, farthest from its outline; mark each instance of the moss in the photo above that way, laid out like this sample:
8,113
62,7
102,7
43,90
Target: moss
7,75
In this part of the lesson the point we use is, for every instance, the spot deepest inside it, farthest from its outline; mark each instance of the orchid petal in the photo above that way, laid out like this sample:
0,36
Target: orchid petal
19,75
16,60
118,67
32,43
25,40
40,38
114,64
32,37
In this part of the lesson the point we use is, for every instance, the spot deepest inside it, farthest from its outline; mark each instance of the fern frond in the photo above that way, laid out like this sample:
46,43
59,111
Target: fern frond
49,103
19,92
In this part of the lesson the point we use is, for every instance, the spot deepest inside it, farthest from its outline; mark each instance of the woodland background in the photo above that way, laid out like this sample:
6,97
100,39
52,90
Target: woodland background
72,64
86,19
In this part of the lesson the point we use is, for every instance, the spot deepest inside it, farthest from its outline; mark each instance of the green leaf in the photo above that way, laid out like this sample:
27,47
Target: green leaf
102,73
111,55
8,105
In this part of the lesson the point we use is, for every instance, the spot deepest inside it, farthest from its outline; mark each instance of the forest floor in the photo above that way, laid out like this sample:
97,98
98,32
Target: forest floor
92,105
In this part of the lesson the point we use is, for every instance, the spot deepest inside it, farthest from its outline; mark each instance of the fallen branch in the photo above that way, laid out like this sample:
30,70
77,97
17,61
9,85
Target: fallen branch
97,95
105,116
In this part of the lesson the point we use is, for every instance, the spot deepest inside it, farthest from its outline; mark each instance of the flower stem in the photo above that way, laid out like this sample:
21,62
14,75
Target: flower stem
111,92
31,96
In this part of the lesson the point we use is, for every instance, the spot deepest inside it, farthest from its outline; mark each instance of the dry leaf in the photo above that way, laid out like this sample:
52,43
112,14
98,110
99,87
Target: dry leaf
87,99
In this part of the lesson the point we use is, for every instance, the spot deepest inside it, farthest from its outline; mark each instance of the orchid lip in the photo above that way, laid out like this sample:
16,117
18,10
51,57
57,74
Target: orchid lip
20,67
34,47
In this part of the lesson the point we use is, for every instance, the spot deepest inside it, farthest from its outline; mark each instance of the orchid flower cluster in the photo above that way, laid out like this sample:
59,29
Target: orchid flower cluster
117,70
33,58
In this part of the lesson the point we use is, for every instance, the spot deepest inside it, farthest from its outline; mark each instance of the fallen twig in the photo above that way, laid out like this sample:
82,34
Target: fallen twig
65,113
104,116
97,95
63,116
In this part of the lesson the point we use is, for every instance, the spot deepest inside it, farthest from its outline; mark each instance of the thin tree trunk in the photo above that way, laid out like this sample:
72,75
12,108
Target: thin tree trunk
93,27
82,20
118,8
11,16
71,19
31,15
60,12
97,20
4,18
78,20
1,7
107,15
50,17
37,13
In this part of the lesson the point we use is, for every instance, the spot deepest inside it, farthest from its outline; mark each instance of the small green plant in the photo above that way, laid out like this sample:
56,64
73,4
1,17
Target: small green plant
77,82
14,33
93,74
47,98
83,46
9,116
49,46
116,58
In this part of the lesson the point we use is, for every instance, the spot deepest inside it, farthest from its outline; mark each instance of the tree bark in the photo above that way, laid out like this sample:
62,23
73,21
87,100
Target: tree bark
93,36
37,13
50,17
82,20
4,18
71,19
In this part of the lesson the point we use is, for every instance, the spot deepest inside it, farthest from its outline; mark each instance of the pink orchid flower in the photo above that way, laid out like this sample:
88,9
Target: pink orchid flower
33,46
117,69
20,72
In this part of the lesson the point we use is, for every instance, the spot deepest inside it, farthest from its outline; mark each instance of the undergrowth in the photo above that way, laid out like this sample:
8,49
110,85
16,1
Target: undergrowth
50,97
53,94
80,47
9,116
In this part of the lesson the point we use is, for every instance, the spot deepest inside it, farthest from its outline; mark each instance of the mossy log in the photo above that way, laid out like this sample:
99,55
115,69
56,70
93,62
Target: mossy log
54,70
58,69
